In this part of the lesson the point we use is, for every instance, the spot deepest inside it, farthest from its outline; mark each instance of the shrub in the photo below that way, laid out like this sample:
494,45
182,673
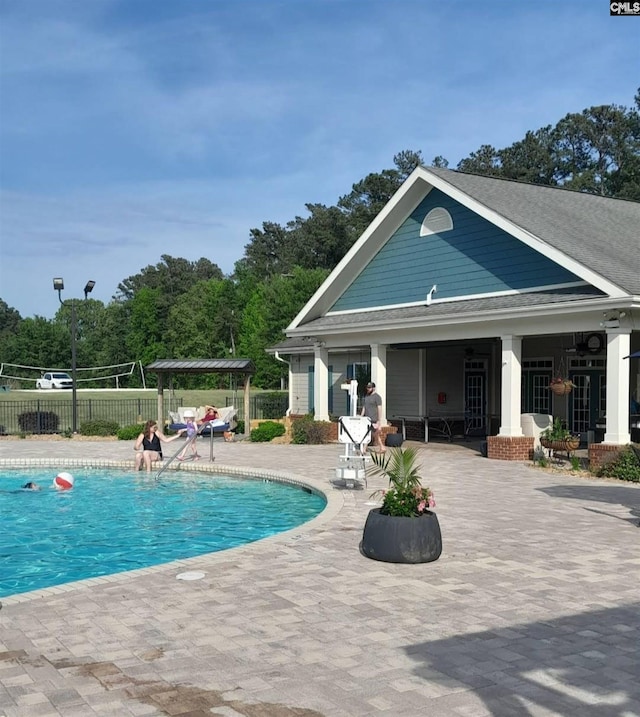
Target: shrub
38,422
3,430
625,466
306,430
239,427
267,431
300,428
130,433
99,427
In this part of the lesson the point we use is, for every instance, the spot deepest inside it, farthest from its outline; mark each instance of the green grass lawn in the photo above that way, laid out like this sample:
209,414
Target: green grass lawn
216,397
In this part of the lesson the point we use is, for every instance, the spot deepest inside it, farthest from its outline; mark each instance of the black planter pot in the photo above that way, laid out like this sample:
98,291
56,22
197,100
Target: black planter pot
395,539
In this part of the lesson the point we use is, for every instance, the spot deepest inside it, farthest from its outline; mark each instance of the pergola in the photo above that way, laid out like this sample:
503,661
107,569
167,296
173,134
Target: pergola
164,367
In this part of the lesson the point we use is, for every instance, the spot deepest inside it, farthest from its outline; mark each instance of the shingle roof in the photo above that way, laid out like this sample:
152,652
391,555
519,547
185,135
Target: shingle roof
439,311
240,365
295,344
599,231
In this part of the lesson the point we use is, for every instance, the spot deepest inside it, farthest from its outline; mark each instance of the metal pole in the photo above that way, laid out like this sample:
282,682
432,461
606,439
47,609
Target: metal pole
74,394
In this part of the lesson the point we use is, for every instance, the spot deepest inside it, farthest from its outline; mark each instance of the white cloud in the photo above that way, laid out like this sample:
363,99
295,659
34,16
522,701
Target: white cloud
127,135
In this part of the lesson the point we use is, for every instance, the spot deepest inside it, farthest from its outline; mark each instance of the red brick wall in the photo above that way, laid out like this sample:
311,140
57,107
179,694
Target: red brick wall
414,430
601,453
333,430
510,448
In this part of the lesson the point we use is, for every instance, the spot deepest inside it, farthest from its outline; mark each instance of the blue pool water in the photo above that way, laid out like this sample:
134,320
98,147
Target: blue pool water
111,522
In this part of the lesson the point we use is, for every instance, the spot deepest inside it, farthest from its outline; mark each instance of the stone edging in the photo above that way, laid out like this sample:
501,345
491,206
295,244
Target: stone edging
334,499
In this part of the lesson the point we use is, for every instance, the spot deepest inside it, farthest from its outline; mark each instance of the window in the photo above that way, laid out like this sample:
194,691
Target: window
438,220
536,375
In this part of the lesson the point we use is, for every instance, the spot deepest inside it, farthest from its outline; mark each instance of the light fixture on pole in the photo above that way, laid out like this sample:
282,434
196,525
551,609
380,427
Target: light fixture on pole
58,285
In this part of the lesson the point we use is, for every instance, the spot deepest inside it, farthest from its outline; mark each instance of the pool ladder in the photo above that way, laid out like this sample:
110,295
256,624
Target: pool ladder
175,455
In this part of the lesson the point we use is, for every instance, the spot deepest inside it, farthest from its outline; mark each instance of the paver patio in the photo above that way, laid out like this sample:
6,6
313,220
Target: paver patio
533,608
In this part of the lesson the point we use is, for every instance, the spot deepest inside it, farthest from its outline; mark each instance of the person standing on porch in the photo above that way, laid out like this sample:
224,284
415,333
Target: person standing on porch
372,409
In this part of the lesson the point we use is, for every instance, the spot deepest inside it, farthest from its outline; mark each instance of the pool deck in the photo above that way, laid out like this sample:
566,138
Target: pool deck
532,610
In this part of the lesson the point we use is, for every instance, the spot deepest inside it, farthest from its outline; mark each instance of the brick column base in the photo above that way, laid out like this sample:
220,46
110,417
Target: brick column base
385,430
601,453
510,448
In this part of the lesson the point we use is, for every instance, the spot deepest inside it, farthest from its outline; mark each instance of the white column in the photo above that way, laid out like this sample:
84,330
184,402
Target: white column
379,375
321,382
618,346
510,404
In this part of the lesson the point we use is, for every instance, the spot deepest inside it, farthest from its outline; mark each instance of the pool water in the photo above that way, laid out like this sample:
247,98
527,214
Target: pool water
111,522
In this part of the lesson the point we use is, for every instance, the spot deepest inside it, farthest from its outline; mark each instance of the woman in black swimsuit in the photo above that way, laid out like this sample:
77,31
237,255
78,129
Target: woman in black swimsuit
148,445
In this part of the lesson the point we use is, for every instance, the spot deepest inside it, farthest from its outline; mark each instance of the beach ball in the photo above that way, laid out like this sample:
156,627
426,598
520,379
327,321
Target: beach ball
63,481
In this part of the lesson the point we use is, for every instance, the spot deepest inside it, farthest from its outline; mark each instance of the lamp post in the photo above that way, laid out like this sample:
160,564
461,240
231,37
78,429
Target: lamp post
58,285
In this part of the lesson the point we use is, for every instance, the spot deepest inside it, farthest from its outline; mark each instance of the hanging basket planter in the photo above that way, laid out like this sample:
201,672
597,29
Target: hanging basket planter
561,386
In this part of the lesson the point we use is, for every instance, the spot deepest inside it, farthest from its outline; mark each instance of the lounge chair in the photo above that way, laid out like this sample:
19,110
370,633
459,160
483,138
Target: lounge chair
224,424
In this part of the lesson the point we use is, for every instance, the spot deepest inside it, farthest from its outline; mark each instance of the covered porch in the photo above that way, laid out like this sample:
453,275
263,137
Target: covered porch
481,385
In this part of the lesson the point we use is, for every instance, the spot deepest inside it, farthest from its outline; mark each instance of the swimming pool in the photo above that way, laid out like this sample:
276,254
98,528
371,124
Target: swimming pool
111,522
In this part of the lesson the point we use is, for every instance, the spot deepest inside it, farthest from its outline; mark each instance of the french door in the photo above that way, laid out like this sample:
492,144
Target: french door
475,396
587,401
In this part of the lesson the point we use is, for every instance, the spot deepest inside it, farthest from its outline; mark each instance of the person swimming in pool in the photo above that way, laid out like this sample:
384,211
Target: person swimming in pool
30,485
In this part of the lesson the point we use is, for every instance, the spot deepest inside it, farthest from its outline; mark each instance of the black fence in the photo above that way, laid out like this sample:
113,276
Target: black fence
51,416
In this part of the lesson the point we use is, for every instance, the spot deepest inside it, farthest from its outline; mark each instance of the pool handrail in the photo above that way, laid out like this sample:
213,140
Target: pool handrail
175,455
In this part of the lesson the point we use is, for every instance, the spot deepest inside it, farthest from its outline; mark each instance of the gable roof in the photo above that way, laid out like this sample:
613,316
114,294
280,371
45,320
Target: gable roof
597,238
572,222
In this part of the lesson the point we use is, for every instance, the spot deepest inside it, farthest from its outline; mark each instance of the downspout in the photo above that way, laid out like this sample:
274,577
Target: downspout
288,363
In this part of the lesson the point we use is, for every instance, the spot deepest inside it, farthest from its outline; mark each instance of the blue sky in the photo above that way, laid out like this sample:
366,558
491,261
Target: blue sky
135,128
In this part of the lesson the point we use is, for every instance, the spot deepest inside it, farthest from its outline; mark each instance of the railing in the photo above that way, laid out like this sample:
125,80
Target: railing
125,412
263,405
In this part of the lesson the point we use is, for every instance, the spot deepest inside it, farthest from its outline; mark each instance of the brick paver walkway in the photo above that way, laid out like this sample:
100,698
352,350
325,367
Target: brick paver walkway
532,610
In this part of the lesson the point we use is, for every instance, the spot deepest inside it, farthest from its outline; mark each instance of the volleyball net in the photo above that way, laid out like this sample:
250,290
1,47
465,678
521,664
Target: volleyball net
23,374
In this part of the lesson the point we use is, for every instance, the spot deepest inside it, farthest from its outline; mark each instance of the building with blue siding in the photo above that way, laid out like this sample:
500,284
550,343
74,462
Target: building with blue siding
465,297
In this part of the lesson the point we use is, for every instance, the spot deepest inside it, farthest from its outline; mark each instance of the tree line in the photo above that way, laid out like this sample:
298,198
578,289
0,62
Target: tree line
183,309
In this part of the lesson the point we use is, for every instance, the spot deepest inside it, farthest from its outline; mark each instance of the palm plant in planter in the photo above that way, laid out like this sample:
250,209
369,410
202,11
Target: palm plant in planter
404,529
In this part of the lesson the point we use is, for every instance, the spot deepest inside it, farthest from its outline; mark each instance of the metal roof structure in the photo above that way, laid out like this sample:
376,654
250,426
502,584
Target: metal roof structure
164,367
240,365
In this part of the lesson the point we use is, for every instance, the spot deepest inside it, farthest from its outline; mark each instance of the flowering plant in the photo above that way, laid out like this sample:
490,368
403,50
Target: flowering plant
559,380
406,496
